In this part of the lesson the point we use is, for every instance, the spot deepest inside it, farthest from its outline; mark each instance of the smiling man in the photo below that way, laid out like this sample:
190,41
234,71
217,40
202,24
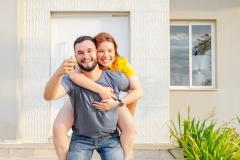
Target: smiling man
92,129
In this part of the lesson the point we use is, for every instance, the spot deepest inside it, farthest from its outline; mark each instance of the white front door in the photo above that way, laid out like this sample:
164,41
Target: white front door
66,27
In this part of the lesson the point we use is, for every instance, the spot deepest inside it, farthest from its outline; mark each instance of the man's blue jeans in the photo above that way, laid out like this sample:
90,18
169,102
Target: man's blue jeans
82,147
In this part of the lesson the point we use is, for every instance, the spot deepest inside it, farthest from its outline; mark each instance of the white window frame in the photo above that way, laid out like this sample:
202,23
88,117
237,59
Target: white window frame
213,54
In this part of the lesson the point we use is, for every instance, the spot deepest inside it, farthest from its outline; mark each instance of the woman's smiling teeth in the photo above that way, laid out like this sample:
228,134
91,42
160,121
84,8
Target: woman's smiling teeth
106,61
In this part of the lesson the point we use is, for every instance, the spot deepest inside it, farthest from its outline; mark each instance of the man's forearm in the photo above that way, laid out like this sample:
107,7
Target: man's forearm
52,88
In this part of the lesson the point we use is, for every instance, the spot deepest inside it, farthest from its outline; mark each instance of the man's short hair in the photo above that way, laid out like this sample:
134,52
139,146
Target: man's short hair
81,39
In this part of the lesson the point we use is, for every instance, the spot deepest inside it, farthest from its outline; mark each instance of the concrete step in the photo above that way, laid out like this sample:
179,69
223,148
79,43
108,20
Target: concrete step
47,152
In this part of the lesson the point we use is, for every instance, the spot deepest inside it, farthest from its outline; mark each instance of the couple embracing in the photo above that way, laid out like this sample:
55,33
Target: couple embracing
93,81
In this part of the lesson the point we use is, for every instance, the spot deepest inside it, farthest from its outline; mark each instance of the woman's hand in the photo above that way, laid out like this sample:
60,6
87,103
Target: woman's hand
105,105
80,79
106,93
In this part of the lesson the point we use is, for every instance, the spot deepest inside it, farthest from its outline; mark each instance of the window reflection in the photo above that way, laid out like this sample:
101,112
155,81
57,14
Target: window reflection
201,55
179,61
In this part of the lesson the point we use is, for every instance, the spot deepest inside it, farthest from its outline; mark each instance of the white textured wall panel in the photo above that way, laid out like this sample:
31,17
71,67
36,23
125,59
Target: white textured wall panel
35,71
149,53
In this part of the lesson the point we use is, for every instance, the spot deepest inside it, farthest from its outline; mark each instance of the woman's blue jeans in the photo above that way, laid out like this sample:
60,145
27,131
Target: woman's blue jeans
82,147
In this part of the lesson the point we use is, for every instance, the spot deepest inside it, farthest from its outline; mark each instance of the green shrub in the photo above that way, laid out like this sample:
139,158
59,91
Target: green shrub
203,140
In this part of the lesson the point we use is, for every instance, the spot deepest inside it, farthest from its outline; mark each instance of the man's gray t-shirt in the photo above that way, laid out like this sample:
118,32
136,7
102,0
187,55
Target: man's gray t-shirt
89,121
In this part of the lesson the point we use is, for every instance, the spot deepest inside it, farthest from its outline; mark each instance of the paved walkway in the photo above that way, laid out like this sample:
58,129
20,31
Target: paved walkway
47,152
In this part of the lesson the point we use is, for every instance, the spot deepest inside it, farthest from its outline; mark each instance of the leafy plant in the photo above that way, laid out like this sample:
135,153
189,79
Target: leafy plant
238,118
203,140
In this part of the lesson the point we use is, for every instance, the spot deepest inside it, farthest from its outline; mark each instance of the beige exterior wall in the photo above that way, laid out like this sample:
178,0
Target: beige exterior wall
224,102
8,69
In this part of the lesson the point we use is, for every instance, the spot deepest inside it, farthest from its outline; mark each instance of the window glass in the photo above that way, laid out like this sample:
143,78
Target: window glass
201,55
179,60
192,55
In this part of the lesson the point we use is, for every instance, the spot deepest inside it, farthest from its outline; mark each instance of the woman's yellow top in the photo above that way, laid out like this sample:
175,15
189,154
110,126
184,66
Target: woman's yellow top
124,67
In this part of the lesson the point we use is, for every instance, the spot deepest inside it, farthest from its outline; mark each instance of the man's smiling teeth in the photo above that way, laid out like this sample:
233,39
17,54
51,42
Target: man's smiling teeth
87,61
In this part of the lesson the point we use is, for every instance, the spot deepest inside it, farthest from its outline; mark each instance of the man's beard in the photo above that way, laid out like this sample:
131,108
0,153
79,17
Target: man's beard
88,68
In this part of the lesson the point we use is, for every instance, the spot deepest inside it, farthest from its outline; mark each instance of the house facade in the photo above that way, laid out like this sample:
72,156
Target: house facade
35,39
42,43
221,99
